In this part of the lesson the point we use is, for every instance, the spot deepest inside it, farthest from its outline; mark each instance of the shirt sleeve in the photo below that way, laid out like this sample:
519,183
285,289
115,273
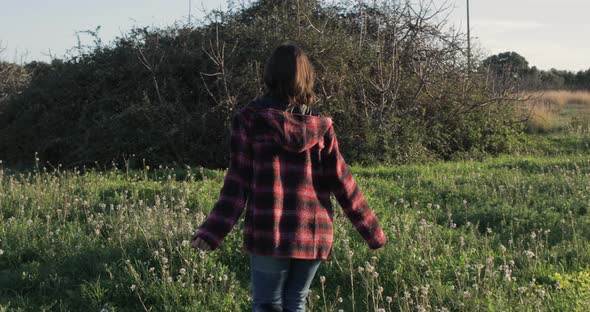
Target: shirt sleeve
236,188
348,193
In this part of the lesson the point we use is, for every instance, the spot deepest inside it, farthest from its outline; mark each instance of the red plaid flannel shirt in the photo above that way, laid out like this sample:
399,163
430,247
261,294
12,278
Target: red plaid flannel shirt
283,167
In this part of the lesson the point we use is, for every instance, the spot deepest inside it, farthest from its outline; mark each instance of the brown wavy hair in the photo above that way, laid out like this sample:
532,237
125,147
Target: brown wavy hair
289,76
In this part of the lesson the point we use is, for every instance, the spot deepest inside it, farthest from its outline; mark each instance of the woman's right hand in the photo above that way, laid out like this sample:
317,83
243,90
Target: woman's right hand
198,243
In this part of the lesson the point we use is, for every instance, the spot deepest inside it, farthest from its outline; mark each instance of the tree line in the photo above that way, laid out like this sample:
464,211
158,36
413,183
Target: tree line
513,67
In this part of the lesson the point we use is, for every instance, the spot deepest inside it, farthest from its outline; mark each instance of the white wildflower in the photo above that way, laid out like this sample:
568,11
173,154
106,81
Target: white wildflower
407,295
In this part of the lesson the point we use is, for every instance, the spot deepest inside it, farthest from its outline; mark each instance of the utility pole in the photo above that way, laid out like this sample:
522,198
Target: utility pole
468,42
190,4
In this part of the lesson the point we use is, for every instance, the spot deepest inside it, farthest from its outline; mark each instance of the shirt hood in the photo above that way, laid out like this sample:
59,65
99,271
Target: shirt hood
292,131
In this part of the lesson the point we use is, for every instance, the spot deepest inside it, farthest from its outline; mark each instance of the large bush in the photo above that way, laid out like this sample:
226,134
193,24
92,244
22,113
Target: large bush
389,74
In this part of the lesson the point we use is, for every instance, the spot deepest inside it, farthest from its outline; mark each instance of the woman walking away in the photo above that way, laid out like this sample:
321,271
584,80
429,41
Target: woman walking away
284,164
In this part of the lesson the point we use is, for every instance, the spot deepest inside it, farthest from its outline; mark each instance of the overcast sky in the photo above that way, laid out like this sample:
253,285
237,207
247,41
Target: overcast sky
548,33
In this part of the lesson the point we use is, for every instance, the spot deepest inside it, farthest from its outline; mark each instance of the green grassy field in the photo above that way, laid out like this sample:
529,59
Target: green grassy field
509,233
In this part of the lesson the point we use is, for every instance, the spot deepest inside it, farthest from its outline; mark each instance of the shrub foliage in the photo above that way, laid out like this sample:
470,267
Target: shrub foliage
391,75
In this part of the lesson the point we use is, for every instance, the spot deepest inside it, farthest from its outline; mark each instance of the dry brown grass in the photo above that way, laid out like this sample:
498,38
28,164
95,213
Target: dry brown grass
558,110
562,97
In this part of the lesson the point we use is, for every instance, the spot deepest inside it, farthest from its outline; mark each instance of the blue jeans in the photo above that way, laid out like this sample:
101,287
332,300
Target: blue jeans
281,284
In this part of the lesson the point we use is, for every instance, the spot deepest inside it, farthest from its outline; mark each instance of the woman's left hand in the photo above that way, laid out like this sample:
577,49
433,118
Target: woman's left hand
198,243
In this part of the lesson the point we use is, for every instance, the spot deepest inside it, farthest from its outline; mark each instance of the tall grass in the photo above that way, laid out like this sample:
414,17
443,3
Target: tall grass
503,234
563,97
558,111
